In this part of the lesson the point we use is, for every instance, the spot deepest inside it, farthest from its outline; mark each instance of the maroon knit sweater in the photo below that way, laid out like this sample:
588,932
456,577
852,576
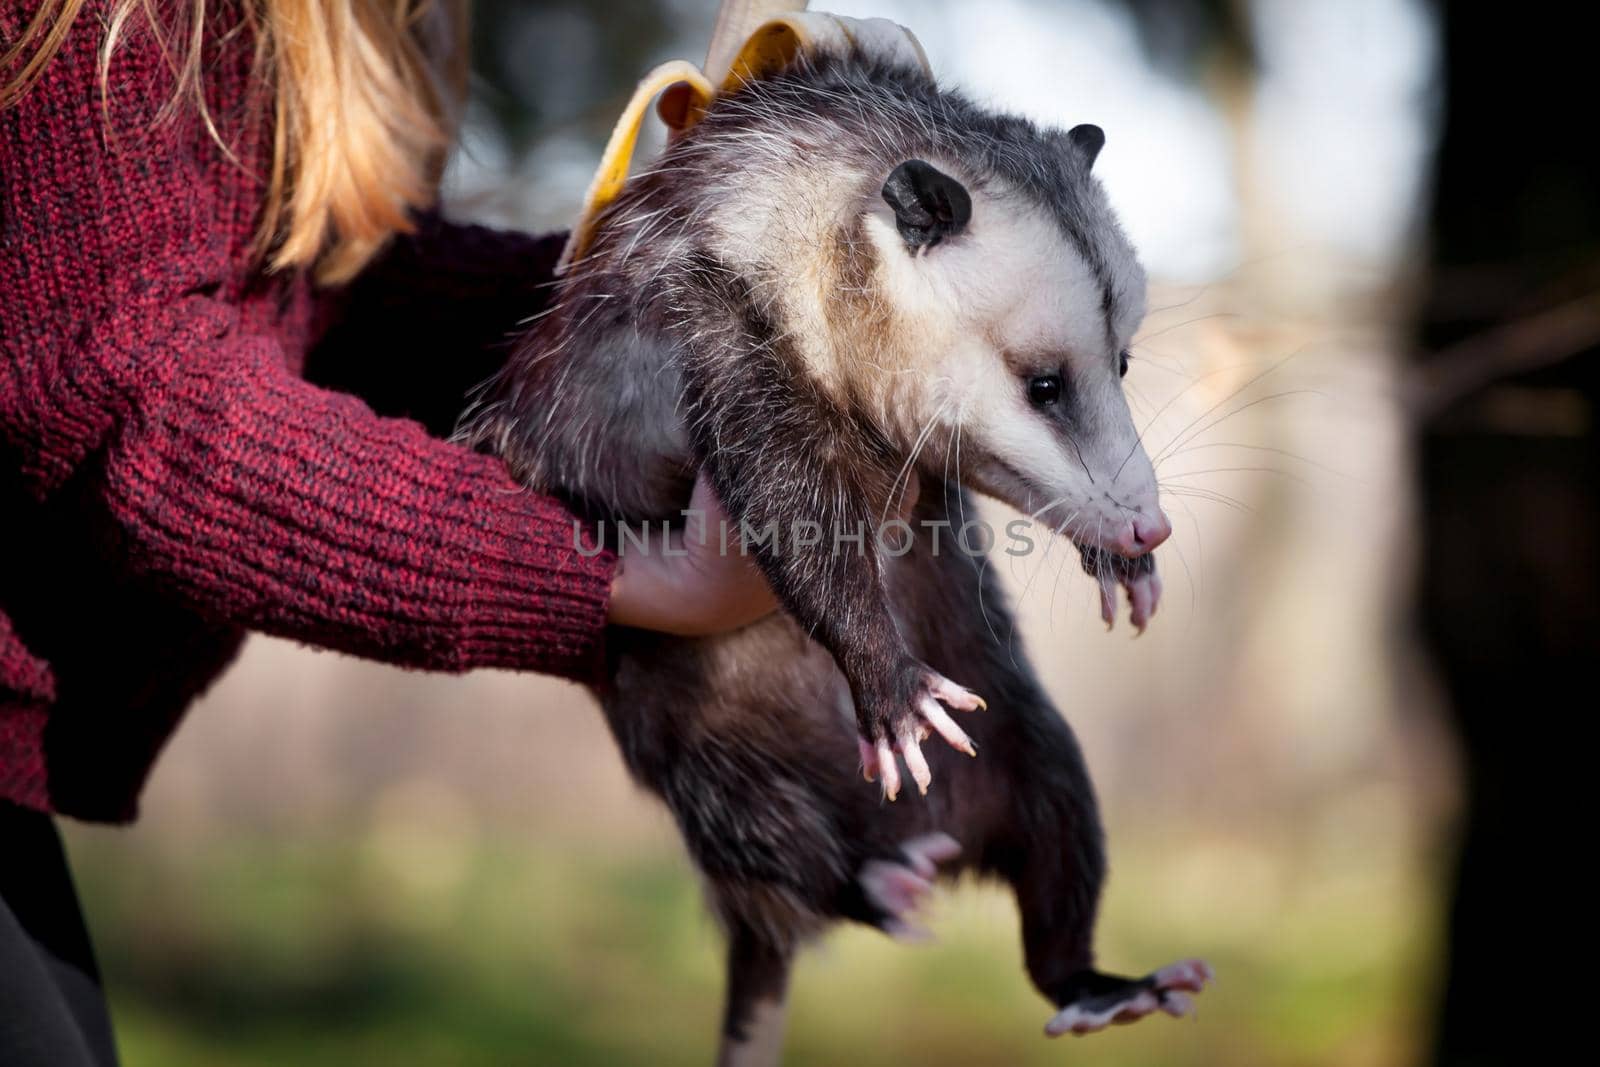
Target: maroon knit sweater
168,476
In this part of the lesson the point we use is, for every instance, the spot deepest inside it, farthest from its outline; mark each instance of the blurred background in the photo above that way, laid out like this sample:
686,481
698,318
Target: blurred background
1359,383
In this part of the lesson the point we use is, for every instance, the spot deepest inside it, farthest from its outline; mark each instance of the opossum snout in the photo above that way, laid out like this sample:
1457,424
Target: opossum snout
1141,534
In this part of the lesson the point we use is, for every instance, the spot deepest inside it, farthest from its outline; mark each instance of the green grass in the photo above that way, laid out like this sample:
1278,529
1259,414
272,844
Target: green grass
345,950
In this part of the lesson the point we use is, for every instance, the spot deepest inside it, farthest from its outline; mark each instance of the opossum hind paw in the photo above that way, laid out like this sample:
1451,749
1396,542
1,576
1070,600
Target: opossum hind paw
1103,999
895,890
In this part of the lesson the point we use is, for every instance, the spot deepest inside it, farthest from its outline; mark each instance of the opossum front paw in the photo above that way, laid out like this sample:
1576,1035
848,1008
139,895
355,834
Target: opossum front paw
1099,1000
1138,576
895,890
1144,595
909,720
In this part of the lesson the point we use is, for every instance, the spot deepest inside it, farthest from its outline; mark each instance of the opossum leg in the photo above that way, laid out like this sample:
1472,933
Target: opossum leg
1097,1000
1053,853
757,1001
890,891
1061,868
1052,850
784,456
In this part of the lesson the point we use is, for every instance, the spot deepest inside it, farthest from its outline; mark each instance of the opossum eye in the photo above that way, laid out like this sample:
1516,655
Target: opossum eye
929,205
1044,390
1122,364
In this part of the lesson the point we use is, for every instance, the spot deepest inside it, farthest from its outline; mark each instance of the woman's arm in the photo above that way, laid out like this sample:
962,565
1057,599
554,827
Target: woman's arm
127,377
295,511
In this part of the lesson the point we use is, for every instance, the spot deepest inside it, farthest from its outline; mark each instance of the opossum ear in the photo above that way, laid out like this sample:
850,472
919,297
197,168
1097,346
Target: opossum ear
1088,140
929,205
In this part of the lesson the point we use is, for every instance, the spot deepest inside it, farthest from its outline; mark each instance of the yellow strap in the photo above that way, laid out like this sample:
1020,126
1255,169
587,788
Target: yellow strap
612,173
686,92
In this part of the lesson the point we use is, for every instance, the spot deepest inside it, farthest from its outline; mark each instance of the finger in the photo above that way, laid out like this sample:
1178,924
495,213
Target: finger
1177,1005
705,510
1137,1009
1108,602
927,851
946,727
1140,600
869,759
924,866
897,892
916,763
1190,976
901,890
889,770
956,696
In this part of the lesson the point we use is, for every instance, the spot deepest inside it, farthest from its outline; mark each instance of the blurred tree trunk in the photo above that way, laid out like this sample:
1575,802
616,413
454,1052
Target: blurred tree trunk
1509,539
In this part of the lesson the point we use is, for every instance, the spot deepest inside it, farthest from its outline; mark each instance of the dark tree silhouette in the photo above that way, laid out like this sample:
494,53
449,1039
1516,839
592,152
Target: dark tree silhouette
1509,592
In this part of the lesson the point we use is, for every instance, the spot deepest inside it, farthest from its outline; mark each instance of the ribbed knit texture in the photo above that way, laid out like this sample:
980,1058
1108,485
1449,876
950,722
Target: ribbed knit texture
169,478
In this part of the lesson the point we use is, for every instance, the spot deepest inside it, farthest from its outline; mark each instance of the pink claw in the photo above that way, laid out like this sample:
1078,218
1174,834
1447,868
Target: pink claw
890,770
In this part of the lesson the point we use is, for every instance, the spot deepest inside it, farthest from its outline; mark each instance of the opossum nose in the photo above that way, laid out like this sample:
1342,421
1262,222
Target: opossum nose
1150,531
1144,533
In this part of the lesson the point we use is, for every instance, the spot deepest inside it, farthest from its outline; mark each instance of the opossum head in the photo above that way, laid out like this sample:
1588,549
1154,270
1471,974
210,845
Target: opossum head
1016,311
954,273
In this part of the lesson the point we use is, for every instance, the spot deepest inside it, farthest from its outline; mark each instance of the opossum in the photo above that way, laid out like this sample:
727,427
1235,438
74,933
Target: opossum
842,279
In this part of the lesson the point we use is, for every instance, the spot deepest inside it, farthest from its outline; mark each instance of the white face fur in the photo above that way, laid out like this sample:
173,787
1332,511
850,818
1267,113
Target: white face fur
954,332
1006,301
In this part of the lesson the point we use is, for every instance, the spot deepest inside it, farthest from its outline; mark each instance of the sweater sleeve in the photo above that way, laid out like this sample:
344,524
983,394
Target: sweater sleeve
298,512
259,499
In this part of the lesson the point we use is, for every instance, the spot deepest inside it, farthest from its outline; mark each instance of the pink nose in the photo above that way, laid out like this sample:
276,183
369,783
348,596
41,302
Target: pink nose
1144,533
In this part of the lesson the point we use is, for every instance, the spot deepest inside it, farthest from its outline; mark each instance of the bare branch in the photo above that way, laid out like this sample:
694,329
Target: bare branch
1516,347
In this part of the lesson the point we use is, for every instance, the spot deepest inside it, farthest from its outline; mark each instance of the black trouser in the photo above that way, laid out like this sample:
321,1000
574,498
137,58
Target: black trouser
52,1008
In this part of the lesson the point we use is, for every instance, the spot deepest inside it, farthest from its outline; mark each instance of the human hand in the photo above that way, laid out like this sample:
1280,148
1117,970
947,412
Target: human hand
695,588
692,588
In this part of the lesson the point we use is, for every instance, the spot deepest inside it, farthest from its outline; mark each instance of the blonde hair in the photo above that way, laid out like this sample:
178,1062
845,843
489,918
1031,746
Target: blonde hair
364,95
